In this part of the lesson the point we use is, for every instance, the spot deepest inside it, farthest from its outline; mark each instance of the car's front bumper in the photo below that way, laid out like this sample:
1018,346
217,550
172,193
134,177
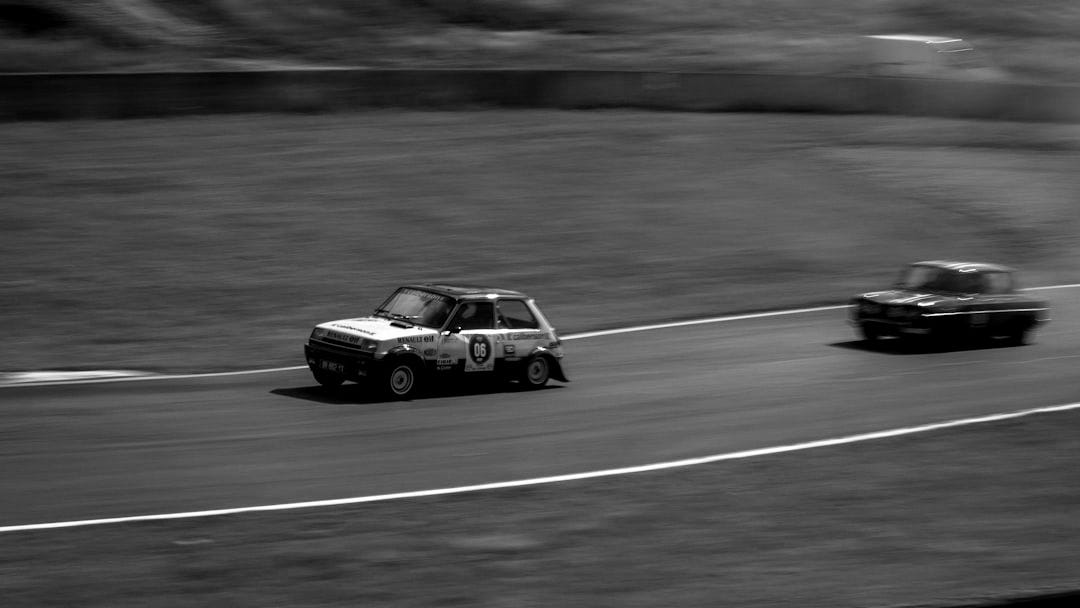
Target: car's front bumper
887,327
347,363
891,321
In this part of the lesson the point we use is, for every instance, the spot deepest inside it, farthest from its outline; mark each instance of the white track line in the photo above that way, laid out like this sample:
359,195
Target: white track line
556,478
1069,286
592,334
669,325
581,336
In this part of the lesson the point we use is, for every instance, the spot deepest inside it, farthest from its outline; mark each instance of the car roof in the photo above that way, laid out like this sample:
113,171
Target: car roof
964,266
466,291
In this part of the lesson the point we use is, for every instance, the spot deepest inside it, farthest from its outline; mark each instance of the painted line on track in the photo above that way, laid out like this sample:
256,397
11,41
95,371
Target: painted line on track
337,502
144,376
724,319
141,377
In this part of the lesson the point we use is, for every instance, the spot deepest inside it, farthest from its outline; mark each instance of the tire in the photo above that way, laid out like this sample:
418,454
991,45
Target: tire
536,372
868,332
401,379
327,379
1019,335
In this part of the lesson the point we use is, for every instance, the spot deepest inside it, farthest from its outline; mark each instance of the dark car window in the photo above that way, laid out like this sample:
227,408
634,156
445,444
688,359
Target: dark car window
997,282
514,314
917,277
964,282
475,315
947,280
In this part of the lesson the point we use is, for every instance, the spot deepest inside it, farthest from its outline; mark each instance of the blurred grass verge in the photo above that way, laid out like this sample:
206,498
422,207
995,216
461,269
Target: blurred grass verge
968,517
204,244
1028,40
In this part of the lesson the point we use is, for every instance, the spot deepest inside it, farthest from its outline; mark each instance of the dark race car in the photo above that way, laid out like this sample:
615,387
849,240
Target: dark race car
424,331
948,304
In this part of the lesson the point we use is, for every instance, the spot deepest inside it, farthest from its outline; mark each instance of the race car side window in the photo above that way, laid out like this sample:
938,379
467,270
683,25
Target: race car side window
474,315
514,314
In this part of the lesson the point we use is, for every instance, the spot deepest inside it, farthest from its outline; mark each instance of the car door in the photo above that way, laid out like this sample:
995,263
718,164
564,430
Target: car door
470,340
522,330
1000,302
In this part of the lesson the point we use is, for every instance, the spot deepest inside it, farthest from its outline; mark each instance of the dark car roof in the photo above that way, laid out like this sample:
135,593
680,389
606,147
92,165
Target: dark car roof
466,291
965,266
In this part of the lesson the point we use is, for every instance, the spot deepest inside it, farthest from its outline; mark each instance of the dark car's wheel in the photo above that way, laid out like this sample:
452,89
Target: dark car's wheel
1019,334
536,372
868,332
402,379
327,379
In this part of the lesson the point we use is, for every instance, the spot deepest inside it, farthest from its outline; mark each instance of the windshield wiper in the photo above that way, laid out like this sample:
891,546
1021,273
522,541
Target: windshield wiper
397,316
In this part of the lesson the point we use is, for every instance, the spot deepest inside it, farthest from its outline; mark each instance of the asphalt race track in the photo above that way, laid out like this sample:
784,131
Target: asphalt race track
87,451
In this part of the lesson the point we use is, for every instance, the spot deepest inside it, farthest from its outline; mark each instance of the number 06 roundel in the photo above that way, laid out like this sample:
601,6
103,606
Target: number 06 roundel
479,356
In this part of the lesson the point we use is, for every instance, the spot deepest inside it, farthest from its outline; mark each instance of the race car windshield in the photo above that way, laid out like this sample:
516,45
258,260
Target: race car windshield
941,280
417,306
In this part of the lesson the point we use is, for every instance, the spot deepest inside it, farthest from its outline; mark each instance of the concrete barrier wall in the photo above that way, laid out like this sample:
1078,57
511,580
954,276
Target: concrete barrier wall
75,96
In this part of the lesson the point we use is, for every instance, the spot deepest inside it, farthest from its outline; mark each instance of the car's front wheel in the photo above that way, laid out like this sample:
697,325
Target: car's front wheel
1019,334
402,379
869,332
536,372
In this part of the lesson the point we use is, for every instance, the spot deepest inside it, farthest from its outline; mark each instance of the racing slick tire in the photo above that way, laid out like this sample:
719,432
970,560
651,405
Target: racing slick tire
401,379
327,379
536,372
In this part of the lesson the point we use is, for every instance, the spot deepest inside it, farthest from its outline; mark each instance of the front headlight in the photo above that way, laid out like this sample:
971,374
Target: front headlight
319,333
369,346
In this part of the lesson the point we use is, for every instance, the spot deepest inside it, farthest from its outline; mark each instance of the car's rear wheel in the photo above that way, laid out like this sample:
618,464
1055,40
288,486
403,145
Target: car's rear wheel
402,379
536,372
327,379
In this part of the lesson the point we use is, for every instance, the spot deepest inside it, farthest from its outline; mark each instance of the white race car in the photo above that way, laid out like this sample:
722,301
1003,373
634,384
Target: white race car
422,331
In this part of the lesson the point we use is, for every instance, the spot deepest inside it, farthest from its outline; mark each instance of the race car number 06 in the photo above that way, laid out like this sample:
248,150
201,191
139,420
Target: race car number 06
480,348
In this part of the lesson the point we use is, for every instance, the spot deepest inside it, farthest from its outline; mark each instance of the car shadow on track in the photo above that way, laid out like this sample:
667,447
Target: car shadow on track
889,347
358,394
909,347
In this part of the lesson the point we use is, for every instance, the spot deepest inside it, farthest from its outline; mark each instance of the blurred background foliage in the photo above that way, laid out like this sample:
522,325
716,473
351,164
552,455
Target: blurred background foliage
1030,40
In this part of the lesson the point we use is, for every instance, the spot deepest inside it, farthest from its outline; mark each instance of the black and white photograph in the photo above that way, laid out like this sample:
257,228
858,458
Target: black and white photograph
540,303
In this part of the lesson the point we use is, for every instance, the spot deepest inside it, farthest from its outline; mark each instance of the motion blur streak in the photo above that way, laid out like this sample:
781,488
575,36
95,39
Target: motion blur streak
557,478
592,334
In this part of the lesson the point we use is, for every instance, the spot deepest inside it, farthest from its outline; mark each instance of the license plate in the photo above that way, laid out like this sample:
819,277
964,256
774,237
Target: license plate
332,366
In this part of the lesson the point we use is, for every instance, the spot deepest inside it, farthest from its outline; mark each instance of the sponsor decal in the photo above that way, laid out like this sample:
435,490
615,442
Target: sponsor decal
527,335
415,339
478,355
337,335
424,295
509,349
429,352
359,330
